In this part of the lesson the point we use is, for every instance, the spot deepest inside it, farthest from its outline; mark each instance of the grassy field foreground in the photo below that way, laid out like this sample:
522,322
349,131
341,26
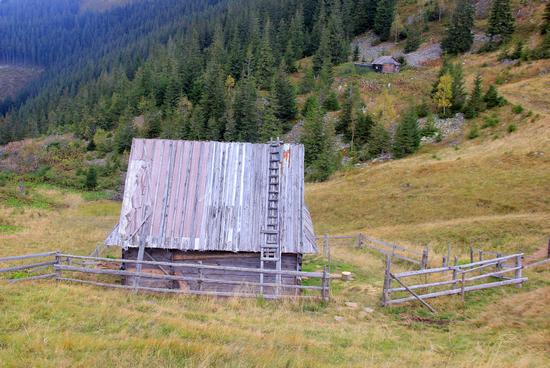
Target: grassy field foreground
440,196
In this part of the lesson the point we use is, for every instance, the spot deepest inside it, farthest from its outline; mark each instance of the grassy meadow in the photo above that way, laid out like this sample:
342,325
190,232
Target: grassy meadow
492,192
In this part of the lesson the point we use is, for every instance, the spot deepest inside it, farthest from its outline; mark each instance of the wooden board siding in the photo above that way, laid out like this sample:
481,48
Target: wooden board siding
291,262
210,196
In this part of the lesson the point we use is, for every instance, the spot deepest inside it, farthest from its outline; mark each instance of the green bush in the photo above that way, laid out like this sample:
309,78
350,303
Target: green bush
512,128
517,109
473,133
490,121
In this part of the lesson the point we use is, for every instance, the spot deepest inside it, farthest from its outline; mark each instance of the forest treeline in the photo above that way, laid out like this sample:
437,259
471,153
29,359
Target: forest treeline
198,69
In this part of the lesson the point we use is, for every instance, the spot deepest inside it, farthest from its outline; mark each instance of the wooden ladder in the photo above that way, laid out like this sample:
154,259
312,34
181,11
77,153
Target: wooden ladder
271,249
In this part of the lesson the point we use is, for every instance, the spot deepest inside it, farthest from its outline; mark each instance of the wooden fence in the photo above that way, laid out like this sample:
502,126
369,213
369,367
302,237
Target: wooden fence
451,280
107,272
419,258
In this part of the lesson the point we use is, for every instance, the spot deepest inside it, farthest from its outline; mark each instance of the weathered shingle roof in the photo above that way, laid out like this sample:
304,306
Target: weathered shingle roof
210,196
386,60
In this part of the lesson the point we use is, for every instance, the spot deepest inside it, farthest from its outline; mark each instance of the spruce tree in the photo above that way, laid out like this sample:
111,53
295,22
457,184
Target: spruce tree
475,102
91,178
407,135
492,98
414,38
379,141
458,93
385,14
266,61
284,98
317,138
308,82
270,126
459,36
338,42
124,134
246,111
501,21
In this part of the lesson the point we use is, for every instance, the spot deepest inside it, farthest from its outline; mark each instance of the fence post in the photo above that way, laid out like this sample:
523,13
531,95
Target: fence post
387,282
57,263
471,255
499,264
455,272
359,240
480,255
519,265
548,253
462,287
326,245
424,264
324,290
444,263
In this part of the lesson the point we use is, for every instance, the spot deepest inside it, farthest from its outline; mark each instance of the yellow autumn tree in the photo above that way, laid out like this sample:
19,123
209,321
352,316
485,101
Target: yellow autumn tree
444,93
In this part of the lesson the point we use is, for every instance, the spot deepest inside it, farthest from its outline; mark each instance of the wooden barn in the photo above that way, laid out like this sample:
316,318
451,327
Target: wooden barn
386,64
225,204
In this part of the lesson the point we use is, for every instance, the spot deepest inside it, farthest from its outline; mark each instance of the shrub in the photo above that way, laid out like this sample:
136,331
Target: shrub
473,133
490,121
517,109
512,128
91,179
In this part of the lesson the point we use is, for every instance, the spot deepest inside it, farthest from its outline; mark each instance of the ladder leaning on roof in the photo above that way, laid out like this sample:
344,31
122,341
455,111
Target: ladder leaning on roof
271,249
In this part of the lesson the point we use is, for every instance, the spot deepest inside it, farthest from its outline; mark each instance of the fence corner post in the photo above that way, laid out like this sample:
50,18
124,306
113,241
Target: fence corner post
387,282
519,270
471,254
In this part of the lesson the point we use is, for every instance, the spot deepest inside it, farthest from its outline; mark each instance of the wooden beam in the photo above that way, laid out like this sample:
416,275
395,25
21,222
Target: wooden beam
414,294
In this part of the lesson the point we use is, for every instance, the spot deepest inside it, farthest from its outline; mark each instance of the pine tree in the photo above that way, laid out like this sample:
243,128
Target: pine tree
284,98
458,94
246,111
459,36
407,135
124,134
91,178
323,54
270,126
365,13
385,13
317,138
501,21
444,93
492,98
338,42
264,70
308,82
475,102
379,141
414,38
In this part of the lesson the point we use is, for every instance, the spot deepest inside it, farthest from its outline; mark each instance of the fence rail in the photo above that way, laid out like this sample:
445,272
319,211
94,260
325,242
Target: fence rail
97,270
416,257
454,276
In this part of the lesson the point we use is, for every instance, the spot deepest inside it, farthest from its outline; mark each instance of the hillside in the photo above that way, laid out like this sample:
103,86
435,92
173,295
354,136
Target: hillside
483,183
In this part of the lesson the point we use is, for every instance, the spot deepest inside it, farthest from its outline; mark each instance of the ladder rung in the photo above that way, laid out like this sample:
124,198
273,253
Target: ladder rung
269,231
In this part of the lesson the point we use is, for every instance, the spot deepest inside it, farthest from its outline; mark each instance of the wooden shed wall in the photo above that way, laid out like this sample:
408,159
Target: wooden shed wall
291,262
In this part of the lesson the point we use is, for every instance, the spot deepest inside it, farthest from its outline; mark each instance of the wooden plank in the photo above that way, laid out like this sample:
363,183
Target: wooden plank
496,273
538,263
391,245
413,294
424,286
394,255
38,277
490,260
195,265
182,291
98,271
27,266
457,291
424,272
27,256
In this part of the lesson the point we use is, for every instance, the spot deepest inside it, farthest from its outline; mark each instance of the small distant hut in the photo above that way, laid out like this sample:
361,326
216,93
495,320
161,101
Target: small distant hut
226,204
386,64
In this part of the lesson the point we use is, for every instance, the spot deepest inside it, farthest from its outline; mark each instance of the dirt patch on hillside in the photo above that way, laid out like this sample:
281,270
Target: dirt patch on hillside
13,78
